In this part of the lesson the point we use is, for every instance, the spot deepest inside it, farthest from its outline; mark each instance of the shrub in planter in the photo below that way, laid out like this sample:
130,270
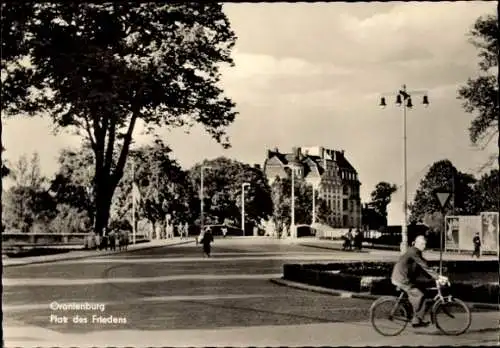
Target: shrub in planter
476,292
370,269
290,271
346,282
309,276
382,287
366,283
317,266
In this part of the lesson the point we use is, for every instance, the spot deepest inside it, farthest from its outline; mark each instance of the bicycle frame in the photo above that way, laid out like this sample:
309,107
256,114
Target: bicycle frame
438,298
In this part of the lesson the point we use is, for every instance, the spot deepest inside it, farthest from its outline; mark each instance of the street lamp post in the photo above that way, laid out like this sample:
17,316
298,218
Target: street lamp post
245,184
403,98
202,217
315,186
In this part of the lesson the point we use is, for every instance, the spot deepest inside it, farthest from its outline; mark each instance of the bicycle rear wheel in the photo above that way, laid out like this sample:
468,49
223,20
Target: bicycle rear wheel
389,316
452,317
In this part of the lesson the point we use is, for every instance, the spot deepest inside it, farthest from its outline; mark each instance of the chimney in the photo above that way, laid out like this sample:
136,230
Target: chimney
256,166
296,152
322,152
269,153
343,153
335,155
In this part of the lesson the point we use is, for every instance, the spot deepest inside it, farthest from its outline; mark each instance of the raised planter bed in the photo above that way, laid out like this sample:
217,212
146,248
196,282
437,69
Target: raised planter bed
374,277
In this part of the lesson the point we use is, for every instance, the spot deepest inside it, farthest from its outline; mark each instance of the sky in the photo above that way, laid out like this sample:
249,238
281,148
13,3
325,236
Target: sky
312,74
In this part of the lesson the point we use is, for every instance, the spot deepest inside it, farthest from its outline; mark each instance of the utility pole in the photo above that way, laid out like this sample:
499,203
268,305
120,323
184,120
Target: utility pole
202,215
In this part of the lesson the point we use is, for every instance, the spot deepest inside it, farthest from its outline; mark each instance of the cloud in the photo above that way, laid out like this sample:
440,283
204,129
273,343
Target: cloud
313,73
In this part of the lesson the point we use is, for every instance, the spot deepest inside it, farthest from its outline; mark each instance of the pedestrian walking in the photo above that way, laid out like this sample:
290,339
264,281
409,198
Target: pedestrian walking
477,245
180,230
112,241
358,239
206,241
348,240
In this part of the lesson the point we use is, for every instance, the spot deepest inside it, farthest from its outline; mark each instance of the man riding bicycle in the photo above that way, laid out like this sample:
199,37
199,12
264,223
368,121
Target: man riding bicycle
404,276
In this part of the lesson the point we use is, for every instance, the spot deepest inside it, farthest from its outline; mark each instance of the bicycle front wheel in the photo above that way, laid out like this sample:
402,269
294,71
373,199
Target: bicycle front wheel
452,317
389,316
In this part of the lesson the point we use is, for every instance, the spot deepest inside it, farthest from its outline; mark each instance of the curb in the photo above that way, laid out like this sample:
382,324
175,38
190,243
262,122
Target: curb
333,248
363,296
36,262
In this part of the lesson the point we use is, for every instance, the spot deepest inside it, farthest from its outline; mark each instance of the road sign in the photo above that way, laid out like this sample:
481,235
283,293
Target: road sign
443,198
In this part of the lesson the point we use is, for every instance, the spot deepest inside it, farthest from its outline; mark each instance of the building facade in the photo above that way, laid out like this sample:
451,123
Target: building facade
334,178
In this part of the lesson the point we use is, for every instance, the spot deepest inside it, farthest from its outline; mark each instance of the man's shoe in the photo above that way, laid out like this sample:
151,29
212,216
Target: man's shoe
420,323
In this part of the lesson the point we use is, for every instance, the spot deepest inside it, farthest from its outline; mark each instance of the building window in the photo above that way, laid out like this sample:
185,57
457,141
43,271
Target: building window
345,204
345,190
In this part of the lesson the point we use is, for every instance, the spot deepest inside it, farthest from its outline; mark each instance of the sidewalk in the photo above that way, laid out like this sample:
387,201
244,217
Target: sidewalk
366,251
81,254
483,331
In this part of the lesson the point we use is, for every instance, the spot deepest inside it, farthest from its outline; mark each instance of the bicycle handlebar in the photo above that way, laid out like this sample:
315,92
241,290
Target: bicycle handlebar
439,285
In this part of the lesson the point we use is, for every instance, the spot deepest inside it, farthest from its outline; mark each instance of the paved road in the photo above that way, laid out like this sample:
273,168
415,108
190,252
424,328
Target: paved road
169,290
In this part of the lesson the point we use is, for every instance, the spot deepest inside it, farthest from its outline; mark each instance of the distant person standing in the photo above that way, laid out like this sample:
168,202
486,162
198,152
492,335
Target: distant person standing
180,230
224,231
477,245
206,241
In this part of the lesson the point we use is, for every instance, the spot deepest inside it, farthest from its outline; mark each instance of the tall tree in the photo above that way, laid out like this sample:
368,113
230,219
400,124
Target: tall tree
487,190
73,182
223,191
14,77
28,201
162,183
109,66
323,212
281,195
480,95
381,198
442,175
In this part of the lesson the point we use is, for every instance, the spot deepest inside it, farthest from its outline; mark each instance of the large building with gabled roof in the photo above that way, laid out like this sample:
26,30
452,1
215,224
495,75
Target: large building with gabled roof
330,172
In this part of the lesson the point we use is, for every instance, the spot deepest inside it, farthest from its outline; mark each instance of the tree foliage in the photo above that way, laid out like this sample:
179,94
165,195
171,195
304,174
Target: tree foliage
73,183
323,212
487,190
223,191
162,183
480,95
28,202
442,175
99,69
281,195
380,199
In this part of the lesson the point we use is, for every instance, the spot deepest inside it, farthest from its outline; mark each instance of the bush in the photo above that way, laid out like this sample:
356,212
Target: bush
375,278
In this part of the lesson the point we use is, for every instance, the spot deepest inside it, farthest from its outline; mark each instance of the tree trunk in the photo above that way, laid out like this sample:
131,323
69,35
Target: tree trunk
1,177
104,195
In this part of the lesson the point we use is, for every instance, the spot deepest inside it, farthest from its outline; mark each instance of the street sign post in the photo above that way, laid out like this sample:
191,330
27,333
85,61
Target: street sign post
443,198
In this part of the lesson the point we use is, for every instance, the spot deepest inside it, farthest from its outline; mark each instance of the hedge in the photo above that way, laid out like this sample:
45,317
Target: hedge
374,277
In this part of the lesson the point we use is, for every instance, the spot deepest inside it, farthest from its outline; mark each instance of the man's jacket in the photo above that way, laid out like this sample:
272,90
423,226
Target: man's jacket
409,267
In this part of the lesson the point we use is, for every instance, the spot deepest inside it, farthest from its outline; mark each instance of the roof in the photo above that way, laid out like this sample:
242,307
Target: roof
311,162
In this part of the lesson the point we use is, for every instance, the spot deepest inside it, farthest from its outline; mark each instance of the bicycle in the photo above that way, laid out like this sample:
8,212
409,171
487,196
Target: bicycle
401,312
